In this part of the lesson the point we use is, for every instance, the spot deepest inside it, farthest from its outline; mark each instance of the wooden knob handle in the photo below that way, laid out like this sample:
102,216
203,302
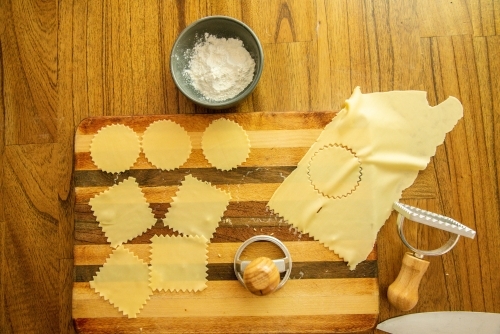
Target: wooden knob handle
403,292
261,276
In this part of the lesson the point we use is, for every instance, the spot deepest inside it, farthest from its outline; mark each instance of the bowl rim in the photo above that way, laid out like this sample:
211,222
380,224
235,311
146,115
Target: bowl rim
243,94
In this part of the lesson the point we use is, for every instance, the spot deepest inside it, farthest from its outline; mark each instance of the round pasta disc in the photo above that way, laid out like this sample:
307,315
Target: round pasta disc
115,148
225,144
166,144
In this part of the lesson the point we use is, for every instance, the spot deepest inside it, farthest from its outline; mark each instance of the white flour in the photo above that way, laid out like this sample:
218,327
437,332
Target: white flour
220,68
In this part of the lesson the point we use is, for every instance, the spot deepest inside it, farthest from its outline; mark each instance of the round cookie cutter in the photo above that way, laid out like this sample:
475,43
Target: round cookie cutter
284,265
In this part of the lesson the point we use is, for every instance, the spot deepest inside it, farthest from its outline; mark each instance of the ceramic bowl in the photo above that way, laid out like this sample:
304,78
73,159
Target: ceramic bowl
221,27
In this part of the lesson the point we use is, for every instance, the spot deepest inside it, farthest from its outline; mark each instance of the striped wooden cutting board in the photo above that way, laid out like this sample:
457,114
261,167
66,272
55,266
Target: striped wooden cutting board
323,295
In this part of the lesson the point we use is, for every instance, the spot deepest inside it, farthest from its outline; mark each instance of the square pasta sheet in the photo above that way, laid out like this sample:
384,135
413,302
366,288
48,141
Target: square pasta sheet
197,208
122,212
124,281
179,263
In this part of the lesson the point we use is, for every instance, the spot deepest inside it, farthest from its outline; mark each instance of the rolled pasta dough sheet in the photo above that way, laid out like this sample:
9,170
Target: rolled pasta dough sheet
334,171
394,135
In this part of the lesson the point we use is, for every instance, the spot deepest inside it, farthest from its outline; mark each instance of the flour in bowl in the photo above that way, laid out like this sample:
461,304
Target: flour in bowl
220,68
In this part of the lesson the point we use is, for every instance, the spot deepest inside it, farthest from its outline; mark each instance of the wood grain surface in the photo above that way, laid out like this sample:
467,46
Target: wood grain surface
63,60
322,289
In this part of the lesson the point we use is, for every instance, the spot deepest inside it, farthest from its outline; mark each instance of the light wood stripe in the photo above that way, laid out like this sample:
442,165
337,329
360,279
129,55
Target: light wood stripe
301,251
222,289
259,157
254,121
297,297
258,139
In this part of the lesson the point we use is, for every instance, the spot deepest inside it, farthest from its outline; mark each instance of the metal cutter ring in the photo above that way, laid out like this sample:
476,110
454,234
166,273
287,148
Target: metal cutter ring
284,265
420,253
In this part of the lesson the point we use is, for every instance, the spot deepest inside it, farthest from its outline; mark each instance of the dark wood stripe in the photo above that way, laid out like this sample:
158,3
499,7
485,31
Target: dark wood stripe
248,209
300,270
89,233
157,177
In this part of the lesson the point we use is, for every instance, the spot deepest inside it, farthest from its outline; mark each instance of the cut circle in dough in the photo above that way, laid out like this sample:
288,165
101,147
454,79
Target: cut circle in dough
124,281
115,148
334,171
166,144
178,263
225,144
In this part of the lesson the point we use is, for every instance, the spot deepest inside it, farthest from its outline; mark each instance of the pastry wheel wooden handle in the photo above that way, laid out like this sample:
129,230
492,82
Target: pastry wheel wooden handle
403,292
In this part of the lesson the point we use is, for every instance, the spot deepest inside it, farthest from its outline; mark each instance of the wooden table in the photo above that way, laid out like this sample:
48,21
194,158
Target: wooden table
63,61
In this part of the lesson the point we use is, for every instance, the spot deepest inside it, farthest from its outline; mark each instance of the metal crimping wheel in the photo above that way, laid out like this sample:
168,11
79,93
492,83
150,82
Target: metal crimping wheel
403,292
261,276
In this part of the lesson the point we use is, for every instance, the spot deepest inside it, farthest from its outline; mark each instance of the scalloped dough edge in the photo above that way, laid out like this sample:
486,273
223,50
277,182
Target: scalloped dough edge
247,147
180,127
178,290
360,171
106,264
116,245
175,198
121,168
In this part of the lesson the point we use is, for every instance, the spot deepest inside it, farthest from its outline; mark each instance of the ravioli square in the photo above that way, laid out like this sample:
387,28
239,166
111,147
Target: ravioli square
179,263
197,208
122,212
123,281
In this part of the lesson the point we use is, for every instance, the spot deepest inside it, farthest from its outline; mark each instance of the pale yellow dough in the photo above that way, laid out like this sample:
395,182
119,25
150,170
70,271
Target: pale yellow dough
179,263
394,135
124,281
122,212
334,171
197,208
166,144
115,148
225,144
